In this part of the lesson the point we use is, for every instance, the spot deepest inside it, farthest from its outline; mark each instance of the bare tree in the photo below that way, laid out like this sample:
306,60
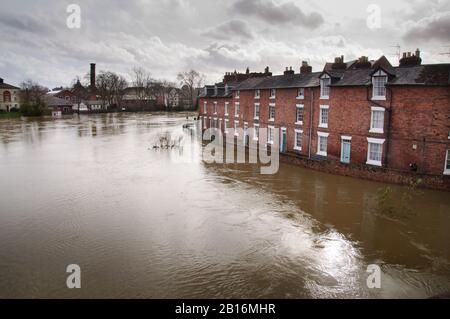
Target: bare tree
192,80
32,92
110,87
142,83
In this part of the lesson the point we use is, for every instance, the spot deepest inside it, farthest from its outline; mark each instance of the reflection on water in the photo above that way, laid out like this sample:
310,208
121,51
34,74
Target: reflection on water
146,223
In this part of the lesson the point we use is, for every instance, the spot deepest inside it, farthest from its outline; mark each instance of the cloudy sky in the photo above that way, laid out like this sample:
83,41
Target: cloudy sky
169,36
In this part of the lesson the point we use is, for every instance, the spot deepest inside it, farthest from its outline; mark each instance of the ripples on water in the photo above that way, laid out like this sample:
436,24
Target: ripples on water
151,223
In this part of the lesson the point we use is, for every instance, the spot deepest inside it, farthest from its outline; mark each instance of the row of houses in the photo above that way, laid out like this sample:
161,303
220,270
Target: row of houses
362,113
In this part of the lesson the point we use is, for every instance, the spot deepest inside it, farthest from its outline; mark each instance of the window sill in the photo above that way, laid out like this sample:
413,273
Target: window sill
447,172
256,118
257,97
322,154
271,120
378,98
236,116
324,97
300,97
297,149
298,123
376,131
226,114
270,143
323,125
374,163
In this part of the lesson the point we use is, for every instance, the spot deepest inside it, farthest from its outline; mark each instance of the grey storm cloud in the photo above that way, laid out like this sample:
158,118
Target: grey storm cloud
272,12
436,27
230,29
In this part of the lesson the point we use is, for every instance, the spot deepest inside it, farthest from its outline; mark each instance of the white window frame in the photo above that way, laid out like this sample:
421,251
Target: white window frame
255,132
273,93
272,105
370,141
257,106
237,109
220,124
376,97
225,128
321,124
236,127
226,108
319,136
447,158
270,139
299,107
205,107
301,97
215,107
372,128
296,147
204,122
237,94
257,94
322,87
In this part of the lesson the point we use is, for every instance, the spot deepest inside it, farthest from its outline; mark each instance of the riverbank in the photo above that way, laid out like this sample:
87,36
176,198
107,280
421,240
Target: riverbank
10,115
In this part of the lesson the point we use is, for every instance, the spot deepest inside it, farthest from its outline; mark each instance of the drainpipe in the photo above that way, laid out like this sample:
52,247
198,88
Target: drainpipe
311,113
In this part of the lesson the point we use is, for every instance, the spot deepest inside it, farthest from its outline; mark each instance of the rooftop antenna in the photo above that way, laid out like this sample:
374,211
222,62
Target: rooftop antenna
446,53
398,51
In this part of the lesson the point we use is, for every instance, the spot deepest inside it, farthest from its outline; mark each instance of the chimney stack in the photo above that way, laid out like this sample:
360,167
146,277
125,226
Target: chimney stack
92,75
305,68
1,81
411,59
289,71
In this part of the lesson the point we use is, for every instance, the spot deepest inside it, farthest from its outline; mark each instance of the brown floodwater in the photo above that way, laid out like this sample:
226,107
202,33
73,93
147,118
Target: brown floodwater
144,223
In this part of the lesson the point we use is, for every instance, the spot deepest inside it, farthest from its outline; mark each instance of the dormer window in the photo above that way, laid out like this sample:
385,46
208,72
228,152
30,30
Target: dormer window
273,93
237,94
226,89
301,93
379,80
325,83
257,94
215,90
205,90
215,107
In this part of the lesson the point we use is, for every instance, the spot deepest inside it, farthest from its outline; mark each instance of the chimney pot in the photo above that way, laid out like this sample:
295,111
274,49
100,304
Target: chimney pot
418,53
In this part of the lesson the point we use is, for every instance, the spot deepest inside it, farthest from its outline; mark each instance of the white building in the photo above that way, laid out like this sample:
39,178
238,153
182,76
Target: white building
9,96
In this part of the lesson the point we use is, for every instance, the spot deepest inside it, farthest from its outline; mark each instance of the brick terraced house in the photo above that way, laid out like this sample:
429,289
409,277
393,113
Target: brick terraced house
360,118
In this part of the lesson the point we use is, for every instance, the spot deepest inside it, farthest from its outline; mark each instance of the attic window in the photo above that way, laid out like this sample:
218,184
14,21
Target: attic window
379,81
226,89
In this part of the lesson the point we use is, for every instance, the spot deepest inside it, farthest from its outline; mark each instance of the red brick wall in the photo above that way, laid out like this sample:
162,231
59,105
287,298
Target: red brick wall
418,132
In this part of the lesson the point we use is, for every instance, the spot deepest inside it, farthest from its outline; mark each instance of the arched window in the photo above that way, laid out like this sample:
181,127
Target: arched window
6,96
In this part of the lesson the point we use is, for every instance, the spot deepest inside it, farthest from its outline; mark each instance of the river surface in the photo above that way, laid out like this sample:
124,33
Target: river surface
143,223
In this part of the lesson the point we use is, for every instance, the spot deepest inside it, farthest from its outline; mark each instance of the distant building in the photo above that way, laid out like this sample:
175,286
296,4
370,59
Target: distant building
56,104
9,96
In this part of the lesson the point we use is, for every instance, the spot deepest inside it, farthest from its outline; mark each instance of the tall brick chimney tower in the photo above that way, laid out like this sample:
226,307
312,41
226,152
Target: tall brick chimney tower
92,75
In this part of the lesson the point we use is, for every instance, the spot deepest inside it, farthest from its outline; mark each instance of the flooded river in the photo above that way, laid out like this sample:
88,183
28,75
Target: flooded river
144,223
